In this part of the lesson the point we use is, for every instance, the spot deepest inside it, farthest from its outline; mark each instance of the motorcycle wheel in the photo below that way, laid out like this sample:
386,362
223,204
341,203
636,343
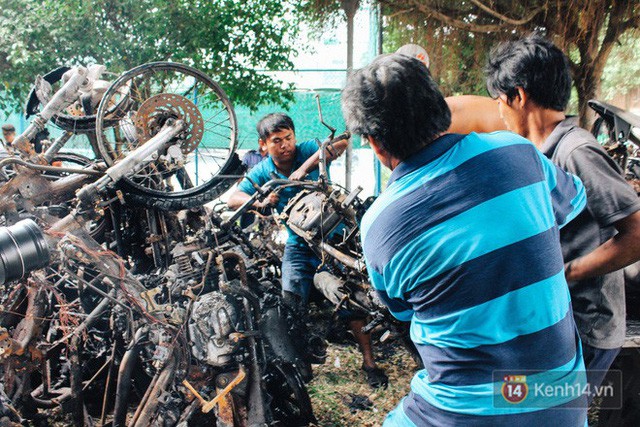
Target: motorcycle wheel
204,151
291,404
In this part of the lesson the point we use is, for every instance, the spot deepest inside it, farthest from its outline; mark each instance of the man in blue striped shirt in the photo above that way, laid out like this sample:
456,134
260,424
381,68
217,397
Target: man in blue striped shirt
464,244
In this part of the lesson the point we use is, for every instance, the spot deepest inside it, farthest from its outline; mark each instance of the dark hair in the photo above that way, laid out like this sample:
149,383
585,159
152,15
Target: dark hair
273,122
37,140
534,64
395,101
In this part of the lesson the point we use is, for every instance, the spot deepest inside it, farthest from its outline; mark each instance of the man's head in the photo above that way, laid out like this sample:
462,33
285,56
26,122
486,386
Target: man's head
415,51
8,133
395,102
277,136
534,65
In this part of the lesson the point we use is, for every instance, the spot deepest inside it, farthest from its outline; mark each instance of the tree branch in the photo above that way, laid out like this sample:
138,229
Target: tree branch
400,12
476,28
506,19
614,29
630,23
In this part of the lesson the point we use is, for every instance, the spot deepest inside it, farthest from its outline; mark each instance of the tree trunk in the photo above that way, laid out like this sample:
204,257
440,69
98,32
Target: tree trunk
587,87
587,76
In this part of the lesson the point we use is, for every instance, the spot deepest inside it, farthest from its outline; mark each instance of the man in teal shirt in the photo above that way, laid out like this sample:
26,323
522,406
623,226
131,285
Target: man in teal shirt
299,264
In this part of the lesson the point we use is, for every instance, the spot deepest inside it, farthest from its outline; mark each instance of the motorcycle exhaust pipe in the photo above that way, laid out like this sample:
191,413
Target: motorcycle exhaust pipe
23,249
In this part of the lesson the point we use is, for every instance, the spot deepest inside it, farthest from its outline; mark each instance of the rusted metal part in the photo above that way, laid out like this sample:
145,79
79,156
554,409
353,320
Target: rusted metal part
124,378
44,168
75,363
29,189
55,148
107,388
347,260
110,265
60,100
81,312
242,269
30,327
152,114
87,322
147,409
133,162
23,357
208,405
9,346
225,410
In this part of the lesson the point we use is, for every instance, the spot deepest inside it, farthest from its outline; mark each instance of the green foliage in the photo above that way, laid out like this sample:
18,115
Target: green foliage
622,72
322,14
586,29
228,39
457,57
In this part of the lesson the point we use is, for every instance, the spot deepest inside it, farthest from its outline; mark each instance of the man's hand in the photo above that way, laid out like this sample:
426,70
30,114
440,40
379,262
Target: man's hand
568,274
298,174
271,200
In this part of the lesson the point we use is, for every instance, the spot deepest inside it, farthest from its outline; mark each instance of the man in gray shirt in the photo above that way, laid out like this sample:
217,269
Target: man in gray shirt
531,82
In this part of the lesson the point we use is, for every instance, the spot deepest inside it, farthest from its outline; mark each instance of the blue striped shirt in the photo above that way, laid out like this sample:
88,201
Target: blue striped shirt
464,243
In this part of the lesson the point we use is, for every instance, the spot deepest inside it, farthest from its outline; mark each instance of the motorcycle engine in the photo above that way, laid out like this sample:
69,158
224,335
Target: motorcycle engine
214,319
312,214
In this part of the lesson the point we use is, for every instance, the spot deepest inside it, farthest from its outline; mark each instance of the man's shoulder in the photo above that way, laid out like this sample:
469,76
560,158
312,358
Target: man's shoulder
251,157
571,137
264,167
259,174
308,143
372,213
577,136
500,138
307,148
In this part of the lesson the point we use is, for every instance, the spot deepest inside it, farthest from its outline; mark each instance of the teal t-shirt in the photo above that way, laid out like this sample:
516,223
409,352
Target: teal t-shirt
261,174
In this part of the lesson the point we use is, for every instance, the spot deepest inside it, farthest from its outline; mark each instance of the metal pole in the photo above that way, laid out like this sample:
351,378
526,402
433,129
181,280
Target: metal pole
195,153
350,7
377,168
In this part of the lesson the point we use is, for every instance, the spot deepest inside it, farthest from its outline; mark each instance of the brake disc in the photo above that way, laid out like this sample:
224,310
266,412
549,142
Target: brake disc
155,111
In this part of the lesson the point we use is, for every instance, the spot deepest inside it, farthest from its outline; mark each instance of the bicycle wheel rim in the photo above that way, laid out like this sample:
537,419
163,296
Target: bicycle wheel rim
193,93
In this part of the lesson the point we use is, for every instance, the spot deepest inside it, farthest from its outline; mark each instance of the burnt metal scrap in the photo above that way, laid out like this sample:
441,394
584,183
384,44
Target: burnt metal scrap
328,218
150,310
125,300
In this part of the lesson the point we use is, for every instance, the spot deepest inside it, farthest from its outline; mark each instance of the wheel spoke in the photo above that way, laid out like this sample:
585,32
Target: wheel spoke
155,93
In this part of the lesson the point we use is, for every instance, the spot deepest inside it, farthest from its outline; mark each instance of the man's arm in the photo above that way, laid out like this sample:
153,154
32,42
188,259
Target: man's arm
621,250
471,113
332,152
239,198
612,201
246,189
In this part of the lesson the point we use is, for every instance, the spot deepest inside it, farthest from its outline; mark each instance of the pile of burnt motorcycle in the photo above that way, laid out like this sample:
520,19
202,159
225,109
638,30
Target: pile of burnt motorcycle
126,300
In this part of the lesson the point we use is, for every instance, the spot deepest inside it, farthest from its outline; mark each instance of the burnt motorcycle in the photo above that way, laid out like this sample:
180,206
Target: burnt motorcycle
169,318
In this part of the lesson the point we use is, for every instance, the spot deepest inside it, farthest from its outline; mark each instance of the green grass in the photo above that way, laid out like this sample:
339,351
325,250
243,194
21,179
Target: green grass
335,383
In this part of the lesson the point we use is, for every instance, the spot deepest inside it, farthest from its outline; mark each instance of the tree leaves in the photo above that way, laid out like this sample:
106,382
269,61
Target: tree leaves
230,40
585,29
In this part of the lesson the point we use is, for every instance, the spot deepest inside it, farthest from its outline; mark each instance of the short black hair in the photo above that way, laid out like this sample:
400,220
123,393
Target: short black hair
395,101
37,140
274,122
534,64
